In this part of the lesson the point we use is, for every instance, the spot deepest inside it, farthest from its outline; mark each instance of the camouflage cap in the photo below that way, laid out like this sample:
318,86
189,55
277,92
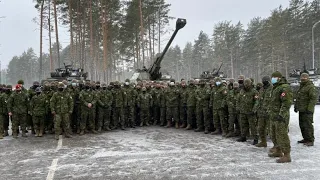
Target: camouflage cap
143,88
61,85
127,80
236,85
304,76
231,80
259,84
36,83
266,78
252,80
247,82
217,79
74,81
98,82
65,82
241,77
21,82
9,87
103,85
277,74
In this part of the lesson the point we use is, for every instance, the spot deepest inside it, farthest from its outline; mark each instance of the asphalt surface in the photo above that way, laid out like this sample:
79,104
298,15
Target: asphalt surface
153,153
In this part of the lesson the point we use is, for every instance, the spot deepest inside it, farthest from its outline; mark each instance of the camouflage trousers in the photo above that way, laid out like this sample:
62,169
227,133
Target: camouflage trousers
129,116
162,115
144,115
87,119
19,119
49,124
156,113
4,122
279,135
219,120
61,120
75,117
104,117
233,122
263,127
118,116
30,121
202,117
190,116
172,113
38,122
306,126
183,113
248,125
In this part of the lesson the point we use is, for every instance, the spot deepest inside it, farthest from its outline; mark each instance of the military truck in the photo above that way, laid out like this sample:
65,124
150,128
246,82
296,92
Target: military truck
153,72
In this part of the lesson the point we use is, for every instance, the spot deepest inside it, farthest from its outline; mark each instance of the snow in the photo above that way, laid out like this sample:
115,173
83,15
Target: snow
157,153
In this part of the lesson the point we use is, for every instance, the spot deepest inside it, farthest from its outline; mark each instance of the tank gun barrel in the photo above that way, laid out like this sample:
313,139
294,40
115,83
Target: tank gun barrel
154,70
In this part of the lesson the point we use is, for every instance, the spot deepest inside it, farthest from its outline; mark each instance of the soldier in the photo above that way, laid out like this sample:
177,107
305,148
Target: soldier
74,91
38,106
3,108
156,103
233,121
191,105
162,101
172,104
279,110
306,99
18,104
48,92
144,101
217,102
241,81
183,104
104,107
88,103
129,104
118,102
61,105
263,116
202,108
248,104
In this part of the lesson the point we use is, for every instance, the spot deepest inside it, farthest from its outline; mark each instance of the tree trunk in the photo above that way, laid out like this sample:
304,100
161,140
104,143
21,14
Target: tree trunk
56,28
141,31
50,43
41,29
71,34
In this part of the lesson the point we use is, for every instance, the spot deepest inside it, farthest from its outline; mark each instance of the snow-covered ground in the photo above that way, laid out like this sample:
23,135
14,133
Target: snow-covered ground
154,153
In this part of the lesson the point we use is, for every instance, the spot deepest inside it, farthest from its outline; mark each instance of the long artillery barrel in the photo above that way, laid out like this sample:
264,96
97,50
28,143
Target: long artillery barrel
154,70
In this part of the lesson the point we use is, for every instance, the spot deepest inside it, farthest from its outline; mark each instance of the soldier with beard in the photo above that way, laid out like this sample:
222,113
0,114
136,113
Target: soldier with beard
248,104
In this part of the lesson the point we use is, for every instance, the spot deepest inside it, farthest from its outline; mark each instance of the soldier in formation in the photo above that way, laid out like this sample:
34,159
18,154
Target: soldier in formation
237,109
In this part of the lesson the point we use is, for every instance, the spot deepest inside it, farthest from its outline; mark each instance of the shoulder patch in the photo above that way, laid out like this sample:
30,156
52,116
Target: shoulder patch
283,94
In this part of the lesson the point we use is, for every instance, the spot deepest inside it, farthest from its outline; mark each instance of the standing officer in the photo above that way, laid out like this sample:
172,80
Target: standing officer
306,99
279,110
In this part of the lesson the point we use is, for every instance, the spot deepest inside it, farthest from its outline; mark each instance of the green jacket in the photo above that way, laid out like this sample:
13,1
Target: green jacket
118,97
218,96
3,103
264,100
38,105
87,97
105,99
18,103
61,103
191,99
144,100
306,97
172,97
281,100
248,101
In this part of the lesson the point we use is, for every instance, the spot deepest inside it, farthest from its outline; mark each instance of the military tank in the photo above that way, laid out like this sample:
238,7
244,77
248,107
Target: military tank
67,73
153,72
209,75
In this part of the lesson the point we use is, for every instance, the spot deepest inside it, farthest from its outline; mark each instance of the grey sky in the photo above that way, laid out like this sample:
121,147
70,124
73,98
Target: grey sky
18,32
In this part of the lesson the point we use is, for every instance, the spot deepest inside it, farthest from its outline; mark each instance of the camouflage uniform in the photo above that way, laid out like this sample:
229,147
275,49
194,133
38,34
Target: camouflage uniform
279,110
156,104
130,96
5,96
202,108
183,105
144,102
191,106
48,92
247,105
104,107
162,101
38,106
18,104
61,105
118,102
306,99
217,102
172,105
231,101
3,112
88,102
263,116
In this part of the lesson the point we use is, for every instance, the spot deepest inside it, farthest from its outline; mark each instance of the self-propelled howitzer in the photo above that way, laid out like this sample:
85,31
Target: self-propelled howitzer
153,73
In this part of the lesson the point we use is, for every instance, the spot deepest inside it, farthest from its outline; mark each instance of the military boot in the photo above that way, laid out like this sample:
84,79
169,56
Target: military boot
168,124
23,134
188,127
15,135
277,153
37,133
99,129
81,132
56,136
41,132
67,135
308,143
224,134
162,124
6,133
147,124
78,130
155,123
183,125
230,134
199,129
141,124
1,136
206,131
177,125
217,131
273,149
242,139
302,141
107,128
263,143
94,131
237,133
285,159
255,141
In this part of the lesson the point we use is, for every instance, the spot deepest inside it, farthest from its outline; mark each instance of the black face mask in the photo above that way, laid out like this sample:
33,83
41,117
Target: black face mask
38,93
8,91
266,83
97,87
240,81
258,88
35,86
60,89
104,88
87,87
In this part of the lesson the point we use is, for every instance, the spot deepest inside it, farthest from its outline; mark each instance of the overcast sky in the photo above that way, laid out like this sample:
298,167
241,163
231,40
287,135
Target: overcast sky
18,32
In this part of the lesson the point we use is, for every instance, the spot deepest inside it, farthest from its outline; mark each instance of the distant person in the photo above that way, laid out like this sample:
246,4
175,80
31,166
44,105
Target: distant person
306,99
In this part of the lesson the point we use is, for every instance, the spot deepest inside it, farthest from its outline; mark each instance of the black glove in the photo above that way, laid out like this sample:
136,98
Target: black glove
280,118
309,112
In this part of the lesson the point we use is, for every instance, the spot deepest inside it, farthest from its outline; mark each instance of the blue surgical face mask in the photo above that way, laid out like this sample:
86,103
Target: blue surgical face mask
218,83
274,80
